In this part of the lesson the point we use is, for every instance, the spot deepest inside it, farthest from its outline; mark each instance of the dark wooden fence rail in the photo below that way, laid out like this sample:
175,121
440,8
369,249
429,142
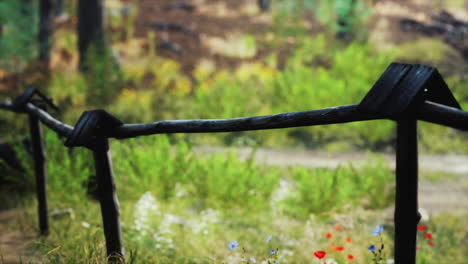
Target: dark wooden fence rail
404,93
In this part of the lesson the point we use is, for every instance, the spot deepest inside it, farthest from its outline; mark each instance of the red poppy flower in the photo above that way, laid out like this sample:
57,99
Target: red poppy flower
430,243
350,256
339,248
428,236
421,228
328,235
418,248
320,254
338,227
348,239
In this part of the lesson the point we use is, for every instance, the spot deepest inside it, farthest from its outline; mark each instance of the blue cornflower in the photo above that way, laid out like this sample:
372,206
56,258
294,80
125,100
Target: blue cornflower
253,260
371,248
269,238
233,245
377,230
273,251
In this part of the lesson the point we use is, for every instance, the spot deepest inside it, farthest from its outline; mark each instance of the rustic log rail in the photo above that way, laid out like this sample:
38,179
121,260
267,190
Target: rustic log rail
404,93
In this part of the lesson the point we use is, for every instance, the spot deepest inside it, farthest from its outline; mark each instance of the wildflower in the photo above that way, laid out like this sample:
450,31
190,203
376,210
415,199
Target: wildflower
418,248
350,257
421,228
330,261
371,248
428,236
348,239
332,247
269,238
424,214
273,251
339,248
338,227
328,235
253,260
233,245
320,254
85,224
431,244
377,230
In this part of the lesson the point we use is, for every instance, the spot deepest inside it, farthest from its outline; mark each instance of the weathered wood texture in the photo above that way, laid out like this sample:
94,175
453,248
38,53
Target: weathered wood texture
37,143
91,131
406,202
110,210
427,111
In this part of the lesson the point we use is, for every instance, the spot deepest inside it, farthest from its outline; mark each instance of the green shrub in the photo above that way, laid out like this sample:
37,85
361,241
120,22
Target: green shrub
19,28
322,190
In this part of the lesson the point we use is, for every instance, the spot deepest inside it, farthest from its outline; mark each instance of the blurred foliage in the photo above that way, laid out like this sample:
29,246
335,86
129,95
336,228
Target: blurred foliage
311,74
368,187
218,181
336,15
18,33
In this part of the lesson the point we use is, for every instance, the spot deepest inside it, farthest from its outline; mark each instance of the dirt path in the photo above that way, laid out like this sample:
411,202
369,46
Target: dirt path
436,196
13,244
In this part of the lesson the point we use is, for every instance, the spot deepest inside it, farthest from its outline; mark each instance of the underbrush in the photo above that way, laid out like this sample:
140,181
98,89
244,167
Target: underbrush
178,206
315,75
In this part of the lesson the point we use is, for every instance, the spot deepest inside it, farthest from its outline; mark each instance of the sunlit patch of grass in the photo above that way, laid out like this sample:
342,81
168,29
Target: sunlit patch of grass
424,49
235,45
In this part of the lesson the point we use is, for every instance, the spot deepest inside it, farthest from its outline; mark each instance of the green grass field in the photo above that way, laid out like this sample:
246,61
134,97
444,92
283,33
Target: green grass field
181,207
178,207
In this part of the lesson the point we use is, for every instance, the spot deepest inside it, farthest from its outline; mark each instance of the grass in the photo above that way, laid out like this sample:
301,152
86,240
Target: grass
179,207
194,194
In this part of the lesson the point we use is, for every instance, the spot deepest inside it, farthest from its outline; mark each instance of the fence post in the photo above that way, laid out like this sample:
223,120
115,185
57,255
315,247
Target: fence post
406,203
110,210
37,142
40,171
92,131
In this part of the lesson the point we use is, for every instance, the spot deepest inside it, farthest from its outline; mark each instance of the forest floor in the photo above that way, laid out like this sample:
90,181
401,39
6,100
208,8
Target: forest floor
14,244
443,186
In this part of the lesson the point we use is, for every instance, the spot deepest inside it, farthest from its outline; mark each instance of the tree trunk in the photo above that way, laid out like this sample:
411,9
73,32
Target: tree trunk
46,28
90,29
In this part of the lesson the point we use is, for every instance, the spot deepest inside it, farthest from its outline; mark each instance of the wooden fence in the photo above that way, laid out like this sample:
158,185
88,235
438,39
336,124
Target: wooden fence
404,93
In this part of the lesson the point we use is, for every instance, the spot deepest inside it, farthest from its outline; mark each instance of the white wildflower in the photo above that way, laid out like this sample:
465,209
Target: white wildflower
145,210
424,214
283,192
207,219
180,190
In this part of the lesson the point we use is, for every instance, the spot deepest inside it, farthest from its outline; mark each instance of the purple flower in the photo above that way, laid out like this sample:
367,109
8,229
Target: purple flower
377,230
371,248
273,251
268,240
253,260
233,245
